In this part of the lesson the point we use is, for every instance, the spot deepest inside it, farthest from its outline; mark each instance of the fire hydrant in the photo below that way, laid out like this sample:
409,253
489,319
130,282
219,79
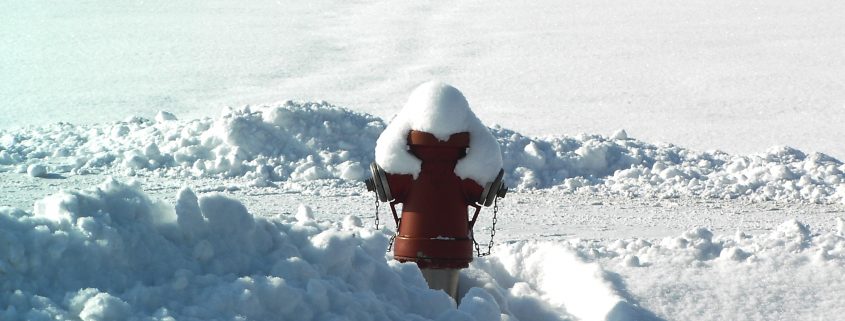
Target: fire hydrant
437,160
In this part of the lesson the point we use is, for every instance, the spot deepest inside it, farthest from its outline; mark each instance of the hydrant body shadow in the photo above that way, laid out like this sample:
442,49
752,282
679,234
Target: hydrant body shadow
435,230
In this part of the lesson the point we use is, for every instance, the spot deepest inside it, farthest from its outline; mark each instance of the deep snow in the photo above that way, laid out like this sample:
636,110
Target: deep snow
112,253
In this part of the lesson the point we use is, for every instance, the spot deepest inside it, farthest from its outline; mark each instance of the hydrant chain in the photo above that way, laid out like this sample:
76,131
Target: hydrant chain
492,231
398,222
493,228
377,219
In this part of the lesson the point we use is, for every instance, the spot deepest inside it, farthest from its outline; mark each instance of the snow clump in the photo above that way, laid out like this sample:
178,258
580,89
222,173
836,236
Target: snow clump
36,170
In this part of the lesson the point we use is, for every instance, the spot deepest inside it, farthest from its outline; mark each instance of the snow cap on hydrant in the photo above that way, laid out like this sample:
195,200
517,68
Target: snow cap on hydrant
437,159
441,110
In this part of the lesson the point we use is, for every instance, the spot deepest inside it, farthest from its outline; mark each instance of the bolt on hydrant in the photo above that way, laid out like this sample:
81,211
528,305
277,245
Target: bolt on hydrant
437,159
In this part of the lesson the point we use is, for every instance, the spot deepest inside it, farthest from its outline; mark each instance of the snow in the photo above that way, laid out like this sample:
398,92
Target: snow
723,198
168,261
739,77
441,110
165,262
36,170
312,142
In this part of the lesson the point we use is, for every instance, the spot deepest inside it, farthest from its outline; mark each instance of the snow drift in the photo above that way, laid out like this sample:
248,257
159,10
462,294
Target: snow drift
112,253
317,141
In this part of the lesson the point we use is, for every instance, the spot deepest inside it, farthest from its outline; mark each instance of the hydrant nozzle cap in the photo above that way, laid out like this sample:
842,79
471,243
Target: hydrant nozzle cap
371,185
503,191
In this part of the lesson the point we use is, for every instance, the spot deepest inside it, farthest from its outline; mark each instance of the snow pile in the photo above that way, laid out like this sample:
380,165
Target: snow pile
268,143
699,246
441,110
112,253
788,273
309,141
624,166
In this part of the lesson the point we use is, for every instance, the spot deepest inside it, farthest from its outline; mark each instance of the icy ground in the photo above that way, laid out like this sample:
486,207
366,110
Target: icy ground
598,227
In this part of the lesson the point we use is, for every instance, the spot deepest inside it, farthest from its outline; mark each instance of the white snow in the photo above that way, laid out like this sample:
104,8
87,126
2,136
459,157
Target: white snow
258,213
303,142
111,252
114,252
737,76
208,257
36,170
441,110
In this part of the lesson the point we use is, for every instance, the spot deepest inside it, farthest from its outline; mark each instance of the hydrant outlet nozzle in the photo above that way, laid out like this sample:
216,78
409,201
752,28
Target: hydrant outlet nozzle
503,191
371,185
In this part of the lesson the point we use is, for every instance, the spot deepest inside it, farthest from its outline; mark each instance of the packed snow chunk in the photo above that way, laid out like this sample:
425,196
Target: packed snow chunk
620,134
304,213
481,305
792,234
352,171
36,170
163,116
441,110
103,307
696,245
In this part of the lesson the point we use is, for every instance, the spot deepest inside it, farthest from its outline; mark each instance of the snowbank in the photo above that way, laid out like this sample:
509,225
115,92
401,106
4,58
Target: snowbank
293,141
112,253
317,141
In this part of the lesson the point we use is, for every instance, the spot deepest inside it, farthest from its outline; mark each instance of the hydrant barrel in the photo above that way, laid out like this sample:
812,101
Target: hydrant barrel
434,231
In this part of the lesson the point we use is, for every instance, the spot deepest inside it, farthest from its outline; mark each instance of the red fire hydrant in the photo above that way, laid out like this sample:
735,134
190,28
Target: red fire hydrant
435,229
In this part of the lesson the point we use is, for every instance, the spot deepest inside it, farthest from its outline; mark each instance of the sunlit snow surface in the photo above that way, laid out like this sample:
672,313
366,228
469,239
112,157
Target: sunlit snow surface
738,76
